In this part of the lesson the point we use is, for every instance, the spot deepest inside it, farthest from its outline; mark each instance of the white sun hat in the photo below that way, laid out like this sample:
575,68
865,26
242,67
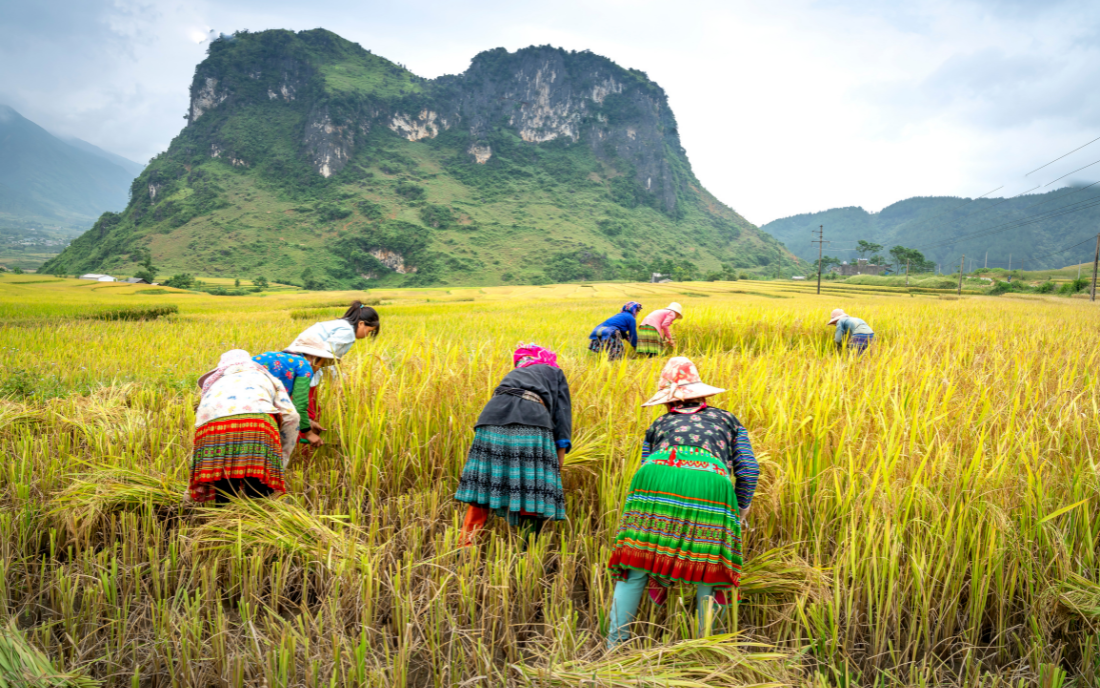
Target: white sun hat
676,308
680,381
310,345
836,315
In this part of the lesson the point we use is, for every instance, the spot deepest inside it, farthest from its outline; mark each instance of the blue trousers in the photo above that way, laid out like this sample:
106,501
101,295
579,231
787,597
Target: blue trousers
628,595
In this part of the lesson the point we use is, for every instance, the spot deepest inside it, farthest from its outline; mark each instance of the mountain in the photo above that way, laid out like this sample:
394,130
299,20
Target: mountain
44,179
1038,231
307,159
133,168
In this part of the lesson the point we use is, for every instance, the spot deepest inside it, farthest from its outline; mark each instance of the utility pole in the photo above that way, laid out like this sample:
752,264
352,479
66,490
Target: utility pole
962,266
1095,264
986,261
820,241
906,273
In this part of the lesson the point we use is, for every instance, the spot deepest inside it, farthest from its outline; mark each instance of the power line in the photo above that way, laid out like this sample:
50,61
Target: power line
1013,224
1073,172
1060,157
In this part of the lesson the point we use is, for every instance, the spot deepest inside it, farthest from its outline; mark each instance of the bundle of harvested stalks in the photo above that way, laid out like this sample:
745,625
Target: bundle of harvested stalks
714,662
93,496
267,528
780,572
22,665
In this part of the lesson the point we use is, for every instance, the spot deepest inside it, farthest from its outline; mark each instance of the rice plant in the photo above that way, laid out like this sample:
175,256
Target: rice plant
927,515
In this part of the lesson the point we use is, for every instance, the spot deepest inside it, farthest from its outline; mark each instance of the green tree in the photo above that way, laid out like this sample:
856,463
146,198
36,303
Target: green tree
865,247
148,271
260,282
181,281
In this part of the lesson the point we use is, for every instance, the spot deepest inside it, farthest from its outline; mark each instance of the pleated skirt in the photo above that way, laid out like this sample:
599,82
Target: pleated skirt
680,521
649,341
234,448
513,470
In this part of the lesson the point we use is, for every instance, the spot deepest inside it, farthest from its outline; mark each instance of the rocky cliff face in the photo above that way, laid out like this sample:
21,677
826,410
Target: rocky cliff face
546,94
543,94
310,159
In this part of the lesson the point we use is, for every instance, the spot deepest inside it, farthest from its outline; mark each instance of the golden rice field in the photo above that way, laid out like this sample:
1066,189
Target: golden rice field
926,516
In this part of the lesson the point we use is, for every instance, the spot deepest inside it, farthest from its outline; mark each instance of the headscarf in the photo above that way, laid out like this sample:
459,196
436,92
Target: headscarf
632,307
231,362
531,354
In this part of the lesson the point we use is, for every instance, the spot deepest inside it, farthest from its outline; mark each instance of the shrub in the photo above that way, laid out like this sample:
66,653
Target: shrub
134,313
1074,286
437,216
181,281
412,192
1045,288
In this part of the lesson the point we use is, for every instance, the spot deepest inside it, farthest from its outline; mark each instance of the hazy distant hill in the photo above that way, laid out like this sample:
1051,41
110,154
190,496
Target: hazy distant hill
307,159
133,168
43,178
1031,229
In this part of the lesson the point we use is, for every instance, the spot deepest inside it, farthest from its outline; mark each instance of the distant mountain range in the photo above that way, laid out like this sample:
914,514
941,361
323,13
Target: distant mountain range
1037,231
55,182
309,160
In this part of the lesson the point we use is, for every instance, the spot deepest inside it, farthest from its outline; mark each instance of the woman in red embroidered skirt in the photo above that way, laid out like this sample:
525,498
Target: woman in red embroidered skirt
246,427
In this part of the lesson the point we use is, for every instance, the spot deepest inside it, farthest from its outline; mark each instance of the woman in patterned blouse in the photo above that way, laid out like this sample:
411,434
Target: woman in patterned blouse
682,518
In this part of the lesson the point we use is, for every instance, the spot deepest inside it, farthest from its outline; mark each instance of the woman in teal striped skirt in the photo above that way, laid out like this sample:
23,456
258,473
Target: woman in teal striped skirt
513,469
681,521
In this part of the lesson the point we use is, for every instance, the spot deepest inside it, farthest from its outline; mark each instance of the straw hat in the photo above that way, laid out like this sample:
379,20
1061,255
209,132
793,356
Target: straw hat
836,315
676,308
679,382
310,345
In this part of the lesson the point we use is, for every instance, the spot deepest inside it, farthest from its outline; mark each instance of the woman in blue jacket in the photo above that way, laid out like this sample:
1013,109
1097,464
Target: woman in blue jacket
611,334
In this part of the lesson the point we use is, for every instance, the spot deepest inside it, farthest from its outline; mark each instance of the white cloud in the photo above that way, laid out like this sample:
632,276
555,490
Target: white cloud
784,107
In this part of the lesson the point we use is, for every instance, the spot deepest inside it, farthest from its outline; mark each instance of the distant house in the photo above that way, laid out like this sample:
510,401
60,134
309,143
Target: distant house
798,277
860,267
97,277
135,280
658,278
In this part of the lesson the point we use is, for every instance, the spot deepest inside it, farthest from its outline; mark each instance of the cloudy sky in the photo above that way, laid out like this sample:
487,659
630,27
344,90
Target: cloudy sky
785,106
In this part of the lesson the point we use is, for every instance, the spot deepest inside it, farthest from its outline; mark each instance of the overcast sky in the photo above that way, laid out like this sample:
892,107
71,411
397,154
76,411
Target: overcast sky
785,106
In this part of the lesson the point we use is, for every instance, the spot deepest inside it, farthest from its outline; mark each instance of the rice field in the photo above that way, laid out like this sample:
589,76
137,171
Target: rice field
926,516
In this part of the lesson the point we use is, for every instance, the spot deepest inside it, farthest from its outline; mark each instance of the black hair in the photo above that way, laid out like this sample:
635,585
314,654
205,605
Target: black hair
358,313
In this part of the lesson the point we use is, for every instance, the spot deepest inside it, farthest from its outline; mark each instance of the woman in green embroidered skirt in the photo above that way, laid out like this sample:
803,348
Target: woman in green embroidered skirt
682,518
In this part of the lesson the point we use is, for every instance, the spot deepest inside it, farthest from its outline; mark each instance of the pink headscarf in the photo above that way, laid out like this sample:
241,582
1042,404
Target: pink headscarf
530,354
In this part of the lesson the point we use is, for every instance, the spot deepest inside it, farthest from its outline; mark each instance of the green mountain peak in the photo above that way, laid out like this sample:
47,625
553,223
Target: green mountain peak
307,159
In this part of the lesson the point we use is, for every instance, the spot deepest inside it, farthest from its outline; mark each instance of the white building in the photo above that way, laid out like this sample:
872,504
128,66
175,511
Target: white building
97,277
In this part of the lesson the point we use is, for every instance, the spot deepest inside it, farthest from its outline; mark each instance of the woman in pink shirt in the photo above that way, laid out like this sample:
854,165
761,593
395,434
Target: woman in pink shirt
654,333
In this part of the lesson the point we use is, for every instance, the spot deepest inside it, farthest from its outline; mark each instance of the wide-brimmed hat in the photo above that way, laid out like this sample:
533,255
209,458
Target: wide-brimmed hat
676,308
229,358
679,382
310,345
837,314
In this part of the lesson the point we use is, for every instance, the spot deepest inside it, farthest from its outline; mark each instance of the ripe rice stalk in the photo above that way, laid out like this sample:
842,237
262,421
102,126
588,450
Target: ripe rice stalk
259,529
90,498
713,662
24,666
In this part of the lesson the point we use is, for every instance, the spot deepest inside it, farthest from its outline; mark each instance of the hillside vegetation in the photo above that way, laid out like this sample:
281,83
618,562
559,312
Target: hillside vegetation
308,160
926,222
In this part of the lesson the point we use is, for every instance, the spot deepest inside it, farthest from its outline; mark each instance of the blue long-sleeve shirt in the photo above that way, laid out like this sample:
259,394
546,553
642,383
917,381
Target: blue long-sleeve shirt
620,322
850,325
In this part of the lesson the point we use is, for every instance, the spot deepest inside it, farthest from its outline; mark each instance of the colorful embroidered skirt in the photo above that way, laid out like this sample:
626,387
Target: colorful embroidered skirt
860,342
610,341
513,470
649,341
236,447
680,521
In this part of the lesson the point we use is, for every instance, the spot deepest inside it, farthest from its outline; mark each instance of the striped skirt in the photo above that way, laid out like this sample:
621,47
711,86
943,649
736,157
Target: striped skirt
610,341
513,470
680,522
860,343
235,448
649,341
